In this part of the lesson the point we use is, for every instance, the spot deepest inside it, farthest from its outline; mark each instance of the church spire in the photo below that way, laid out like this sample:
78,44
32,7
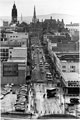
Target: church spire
34,16
34,20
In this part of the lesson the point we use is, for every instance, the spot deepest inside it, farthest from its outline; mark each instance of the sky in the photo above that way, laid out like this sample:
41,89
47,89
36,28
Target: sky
25,7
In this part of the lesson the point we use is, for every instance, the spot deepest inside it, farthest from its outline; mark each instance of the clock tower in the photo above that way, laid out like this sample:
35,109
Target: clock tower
14,14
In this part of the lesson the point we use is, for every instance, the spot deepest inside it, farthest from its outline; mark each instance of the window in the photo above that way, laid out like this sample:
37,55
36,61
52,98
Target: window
72,70
63,66
10,51
1,39
72,66
63,70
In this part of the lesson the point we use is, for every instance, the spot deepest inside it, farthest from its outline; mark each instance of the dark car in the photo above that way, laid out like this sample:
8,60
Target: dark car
74,100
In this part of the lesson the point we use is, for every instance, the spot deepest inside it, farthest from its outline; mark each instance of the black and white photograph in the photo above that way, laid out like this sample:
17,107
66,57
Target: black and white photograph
39,59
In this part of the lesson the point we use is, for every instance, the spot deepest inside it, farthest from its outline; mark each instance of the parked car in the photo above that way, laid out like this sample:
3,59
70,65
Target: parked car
49,76
20,108
46,65
74,100
1,97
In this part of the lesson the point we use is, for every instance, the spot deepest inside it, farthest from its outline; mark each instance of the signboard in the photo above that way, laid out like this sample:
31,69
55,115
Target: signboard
10,69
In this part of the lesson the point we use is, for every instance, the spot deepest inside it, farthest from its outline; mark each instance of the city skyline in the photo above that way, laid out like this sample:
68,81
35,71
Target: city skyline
25,7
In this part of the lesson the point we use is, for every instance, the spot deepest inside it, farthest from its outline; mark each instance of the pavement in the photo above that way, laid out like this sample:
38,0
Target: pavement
7,104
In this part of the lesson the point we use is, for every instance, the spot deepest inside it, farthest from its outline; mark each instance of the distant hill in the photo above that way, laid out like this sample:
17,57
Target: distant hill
67,18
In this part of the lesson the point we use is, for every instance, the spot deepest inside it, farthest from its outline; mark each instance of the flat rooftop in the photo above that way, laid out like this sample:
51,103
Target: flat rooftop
17,60
72,76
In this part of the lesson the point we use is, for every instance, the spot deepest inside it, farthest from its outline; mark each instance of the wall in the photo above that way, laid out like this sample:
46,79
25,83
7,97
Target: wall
16,35
20,79
17,52
66,66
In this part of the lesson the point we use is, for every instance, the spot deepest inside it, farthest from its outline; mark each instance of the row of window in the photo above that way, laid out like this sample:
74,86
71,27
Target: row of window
73,85
70,70
13,36
3,50
70,66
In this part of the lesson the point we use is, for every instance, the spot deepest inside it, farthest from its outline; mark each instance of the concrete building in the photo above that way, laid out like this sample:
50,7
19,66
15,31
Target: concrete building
60,45
16,36
69,65
74,31
13,54
14,65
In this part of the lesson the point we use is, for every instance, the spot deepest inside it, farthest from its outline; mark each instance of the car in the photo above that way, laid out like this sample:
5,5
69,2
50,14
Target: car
41,64
49,76
22,99
1,97
74,100
20,108
46,65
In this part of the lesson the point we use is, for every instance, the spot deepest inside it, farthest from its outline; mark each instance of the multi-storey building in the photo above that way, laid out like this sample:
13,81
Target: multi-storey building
67,66
13,54
73,27
60,43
